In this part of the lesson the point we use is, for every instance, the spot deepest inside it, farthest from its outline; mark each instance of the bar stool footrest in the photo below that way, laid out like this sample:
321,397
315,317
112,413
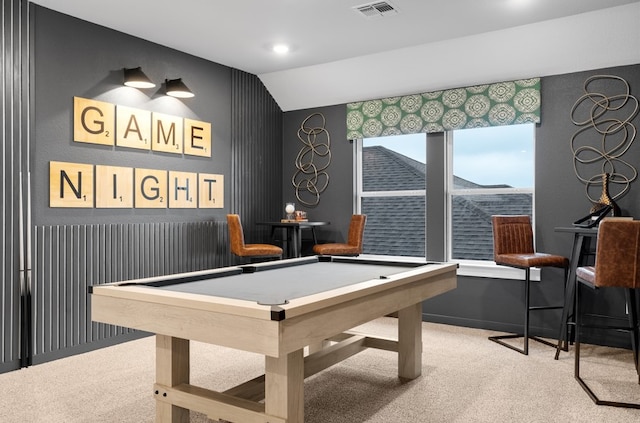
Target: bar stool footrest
499,340
598,401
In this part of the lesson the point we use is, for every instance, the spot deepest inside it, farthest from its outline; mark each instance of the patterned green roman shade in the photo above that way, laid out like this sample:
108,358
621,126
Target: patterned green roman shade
503,103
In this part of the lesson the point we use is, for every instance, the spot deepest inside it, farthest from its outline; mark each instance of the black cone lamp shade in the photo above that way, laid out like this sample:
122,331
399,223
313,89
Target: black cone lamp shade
135,78
177,88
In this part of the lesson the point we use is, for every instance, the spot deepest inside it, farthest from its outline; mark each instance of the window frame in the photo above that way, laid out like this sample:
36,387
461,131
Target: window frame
360,193
482,268
475,268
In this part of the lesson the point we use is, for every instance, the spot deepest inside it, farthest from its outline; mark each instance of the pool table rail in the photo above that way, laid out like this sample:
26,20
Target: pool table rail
249,326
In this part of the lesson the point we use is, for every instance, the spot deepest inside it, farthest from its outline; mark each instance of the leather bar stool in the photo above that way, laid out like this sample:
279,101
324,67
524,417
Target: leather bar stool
513,247
617,266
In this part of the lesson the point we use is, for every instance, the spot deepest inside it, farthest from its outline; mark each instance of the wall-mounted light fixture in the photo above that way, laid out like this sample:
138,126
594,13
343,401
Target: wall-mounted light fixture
177,88
135,78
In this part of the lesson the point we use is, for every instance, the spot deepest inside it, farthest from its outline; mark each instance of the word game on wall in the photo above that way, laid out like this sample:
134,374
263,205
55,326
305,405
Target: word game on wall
96,122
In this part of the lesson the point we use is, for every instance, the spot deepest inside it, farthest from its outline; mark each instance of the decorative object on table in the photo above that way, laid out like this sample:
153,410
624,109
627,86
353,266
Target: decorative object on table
310,178
301,216
593,219
606,132
605,199
290,209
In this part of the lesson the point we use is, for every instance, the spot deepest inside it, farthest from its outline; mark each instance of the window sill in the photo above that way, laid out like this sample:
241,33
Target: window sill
475,268
488,269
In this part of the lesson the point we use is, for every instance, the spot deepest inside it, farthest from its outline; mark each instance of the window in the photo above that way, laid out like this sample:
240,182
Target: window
488,171
391,192
492,173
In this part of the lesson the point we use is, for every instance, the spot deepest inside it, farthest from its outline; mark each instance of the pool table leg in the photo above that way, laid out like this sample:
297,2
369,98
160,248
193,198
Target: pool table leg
284,386
410,342
172,368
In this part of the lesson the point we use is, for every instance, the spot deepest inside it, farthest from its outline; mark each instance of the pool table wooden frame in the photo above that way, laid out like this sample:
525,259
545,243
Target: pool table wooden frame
280,333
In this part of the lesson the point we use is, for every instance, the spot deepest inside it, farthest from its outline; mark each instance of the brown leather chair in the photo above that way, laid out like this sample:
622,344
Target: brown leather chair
513,246
617,265
250,251
352,247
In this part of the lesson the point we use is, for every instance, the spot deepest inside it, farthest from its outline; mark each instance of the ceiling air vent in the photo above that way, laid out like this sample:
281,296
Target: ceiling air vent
376,10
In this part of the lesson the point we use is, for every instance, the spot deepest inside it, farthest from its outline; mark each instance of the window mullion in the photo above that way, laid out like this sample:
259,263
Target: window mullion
409,193
491,191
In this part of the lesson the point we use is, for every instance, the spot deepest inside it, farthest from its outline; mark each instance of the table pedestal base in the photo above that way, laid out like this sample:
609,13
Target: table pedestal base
282,385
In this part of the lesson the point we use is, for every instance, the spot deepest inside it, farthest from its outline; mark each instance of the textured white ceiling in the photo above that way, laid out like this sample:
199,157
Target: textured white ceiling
338,55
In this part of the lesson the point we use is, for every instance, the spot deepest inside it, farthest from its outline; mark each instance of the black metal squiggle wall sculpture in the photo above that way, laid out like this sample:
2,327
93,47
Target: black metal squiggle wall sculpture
311,178
610,115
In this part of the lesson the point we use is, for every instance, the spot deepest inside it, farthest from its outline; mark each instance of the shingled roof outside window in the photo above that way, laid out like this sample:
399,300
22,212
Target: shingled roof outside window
396,225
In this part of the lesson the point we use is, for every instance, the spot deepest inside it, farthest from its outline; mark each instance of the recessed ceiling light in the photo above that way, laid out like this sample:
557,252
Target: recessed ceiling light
281,48
520,3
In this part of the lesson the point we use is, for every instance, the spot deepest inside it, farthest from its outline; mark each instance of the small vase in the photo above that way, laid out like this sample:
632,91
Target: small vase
605,198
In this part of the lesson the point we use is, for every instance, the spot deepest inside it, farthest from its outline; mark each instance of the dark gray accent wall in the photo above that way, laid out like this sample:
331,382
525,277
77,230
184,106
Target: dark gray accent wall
336,202
74,58
256,155
73,248
560,199
68,259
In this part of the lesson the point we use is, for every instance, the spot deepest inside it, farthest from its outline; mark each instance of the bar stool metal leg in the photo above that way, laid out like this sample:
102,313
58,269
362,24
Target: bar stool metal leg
568,312
633,320
634,324
525,335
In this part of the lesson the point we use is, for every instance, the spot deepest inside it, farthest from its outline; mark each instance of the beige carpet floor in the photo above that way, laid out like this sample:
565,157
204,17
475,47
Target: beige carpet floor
466,378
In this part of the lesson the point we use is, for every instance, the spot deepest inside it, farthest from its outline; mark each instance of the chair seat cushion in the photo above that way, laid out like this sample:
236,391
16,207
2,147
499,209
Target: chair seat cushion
260,250
586,274
532,260
336,249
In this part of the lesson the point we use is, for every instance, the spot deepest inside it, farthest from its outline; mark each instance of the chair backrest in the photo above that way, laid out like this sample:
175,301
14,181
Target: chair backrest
512,235
236,235
356,230
618,254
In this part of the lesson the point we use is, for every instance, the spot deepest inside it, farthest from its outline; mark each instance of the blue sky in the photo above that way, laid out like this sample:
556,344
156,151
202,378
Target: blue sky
497,155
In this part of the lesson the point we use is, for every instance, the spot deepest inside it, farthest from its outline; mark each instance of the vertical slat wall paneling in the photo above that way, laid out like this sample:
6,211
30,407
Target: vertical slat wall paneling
22,55
68,259
46,269
14,126
256,154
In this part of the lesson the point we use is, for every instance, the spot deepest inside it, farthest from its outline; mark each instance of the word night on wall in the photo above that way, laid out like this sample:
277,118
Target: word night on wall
99,122
88,186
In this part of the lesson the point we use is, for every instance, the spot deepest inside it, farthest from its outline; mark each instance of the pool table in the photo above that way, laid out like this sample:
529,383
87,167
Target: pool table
296,312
